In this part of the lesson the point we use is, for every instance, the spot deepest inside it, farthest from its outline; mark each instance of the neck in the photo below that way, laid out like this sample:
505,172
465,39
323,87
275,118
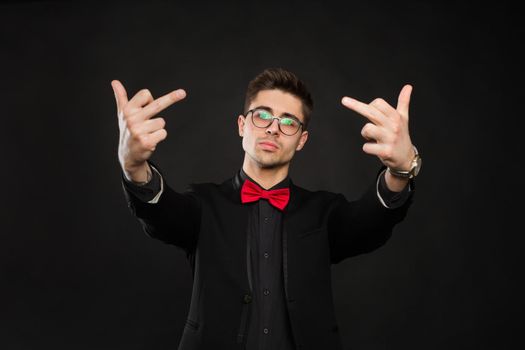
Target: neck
266,177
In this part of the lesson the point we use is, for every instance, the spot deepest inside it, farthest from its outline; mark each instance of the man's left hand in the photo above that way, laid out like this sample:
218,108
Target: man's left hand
387,132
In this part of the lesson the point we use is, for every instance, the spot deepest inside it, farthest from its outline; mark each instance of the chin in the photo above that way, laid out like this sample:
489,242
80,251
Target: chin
271,163
268,160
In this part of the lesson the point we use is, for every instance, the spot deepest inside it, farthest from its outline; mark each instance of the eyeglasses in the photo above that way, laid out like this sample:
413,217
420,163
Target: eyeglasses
288,124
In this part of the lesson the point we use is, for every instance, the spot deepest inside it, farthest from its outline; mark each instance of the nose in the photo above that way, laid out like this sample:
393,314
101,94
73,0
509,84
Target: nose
273,128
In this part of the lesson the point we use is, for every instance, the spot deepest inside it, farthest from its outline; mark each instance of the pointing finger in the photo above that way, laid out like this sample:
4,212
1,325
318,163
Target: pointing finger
121,97
162,103
365,110
404,100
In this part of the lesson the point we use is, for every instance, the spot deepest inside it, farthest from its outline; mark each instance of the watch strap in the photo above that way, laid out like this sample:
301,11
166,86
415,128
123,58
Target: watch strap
407,173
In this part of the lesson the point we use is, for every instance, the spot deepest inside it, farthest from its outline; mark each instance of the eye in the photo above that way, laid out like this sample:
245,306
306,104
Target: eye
264,115
288,121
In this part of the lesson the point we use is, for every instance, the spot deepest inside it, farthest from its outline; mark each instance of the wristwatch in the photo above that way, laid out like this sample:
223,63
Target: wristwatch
414,167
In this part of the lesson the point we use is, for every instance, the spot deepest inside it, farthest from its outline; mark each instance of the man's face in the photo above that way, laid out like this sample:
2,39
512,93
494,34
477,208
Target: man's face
269,147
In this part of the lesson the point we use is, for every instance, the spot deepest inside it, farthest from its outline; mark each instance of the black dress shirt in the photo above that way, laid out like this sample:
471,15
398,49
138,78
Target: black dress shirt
269,325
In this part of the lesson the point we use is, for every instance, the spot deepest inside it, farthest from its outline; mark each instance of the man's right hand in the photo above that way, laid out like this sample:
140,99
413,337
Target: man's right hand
139,131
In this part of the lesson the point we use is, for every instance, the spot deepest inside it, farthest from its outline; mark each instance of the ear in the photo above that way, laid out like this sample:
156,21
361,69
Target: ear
240,122
302,140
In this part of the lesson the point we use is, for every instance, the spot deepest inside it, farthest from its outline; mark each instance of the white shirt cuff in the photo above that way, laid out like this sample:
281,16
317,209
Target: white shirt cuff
157,197
377,189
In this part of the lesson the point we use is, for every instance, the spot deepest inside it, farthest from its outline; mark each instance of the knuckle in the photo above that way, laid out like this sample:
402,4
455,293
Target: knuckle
397,118
145,92
142,139
173,97
396,129
130,125
133,129
366,129
153,108
157,106
387,153
161,122
126,112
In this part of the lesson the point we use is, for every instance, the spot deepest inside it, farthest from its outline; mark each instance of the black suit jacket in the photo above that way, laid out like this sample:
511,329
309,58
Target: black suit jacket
321,228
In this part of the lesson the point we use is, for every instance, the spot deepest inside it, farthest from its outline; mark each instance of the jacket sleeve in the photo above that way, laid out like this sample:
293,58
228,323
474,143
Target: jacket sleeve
173,219
361,226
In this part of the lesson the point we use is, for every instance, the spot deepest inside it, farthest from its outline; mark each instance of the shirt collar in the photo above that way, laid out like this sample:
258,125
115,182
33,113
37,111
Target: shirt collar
284,183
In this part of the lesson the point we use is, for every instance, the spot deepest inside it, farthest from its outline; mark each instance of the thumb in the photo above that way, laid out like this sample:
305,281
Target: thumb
403,100
121,96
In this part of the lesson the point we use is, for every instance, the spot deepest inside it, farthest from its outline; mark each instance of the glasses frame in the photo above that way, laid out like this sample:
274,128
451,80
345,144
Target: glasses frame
289,116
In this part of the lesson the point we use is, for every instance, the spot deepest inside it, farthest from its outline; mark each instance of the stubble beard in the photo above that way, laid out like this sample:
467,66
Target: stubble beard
267,161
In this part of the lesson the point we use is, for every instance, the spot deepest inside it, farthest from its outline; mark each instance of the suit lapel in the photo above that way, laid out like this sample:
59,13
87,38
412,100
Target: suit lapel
296,197
292,219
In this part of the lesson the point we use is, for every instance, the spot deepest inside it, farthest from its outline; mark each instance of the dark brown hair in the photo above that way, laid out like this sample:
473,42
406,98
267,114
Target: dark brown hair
280,79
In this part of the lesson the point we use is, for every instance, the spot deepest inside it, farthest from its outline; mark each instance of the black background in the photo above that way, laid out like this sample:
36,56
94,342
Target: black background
76,271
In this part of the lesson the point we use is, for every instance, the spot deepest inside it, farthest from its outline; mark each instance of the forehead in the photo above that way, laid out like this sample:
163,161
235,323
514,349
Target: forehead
280,102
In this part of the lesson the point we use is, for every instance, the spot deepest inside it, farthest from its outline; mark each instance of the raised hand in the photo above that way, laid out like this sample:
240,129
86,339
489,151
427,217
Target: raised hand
140,132
387,132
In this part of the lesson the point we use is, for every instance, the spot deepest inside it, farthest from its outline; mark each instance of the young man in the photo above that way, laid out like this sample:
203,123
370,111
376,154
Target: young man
261,247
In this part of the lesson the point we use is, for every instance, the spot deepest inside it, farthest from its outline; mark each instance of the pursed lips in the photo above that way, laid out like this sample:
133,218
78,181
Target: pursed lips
268,143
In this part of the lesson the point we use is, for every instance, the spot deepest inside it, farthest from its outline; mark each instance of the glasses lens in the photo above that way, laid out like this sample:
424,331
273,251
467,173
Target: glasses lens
262,118
289,126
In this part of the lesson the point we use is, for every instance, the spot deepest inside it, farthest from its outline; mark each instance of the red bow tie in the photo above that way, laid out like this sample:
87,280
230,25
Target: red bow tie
251,192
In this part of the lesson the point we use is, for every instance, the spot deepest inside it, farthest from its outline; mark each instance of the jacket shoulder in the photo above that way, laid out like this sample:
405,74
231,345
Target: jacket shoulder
320,197
204,189
315,193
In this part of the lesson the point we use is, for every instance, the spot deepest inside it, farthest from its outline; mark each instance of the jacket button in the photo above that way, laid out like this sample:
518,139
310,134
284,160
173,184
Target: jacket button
247,298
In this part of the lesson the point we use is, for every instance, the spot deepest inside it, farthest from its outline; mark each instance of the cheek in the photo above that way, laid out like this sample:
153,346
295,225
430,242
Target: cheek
247,138
289,148
293,145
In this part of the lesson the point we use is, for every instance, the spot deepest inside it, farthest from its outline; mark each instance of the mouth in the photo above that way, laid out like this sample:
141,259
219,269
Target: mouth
268,145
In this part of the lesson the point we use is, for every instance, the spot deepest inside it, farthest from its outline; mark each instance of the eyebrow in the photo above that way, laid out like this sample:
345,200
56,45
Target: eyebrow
269,109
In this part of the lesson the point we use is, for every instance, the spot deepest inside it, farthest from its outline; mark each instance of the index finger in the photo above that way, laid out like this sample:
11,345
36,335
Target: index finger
370,112
162,103
121,97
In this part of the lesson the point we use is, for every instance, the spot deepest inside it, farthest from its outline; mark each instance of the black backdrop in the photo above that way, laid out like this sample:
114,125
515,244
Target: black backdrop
76,271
